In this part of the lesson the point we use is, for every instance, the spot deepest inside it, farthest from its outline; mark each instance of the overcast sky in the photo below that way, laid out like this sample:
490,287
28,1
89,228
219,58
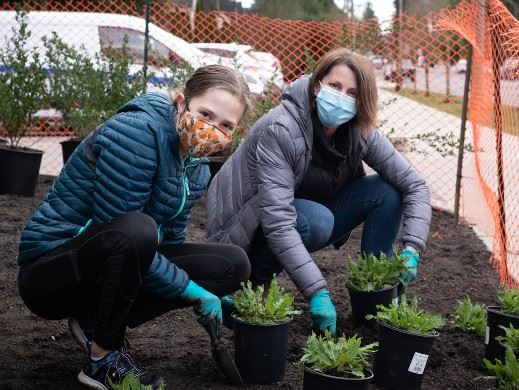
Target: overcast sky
384,9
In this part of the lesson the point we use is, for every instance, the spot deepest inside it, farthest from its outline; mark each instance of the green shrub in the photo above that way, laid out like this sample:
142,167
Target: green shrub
370,273
511,338
22,83
131,382
470,317
253,306
509,299
408,317
344,357
506,374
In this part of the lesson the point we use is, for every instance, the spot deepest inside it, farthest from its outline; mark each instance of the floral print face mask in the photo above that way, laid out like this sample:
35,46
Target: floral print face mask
200,138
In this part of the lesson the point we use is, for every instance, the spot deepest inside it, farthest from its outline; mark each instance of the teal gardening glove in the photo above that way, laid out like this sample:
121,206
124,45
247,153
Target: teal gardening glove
411,258
322,311
208,305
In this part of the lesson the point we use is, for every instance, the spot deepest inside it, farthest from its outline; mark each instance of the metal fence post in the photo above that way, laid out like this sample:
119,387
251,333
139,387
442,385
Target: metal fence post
146,40
461,149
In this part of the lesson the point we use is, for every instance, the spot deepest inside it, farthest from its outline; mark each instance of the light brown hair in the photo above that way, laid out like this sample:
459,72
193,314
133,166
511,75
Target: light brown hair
220,77
367,95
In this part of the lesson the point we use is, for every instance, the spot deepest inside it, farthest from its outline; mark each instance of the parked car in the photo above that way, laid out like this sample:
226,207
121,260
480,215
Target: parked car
264,64
510,69
407,69
377,61
461,66
96,31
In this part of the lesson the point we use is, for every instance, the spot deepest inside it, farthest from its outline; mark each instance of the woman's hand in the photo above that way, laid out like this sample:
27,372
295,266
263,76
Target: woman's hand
323,312
208,306
411,257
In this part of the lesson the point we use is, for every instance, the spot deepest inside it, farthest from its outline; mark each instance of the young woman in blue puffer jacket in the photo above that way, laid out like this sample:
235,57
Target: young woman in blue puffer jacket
106,246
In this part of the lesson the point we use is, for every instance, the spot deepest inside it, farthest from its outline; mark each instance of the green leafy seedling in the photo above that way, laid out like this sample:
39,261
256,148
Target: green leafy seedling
252,305
470,317
511,337
371,273
344,357
131,382
409,317
506,374
509,299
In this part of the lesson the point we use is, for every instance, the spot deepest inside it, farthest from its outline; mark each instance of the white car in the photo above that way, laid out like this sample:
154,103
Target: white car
95,31
264,64
461,66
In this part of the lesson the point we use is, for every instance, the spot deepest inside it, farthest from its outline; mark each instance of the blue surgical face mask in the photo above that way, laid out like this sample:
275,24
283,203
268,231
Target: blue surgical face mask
333,107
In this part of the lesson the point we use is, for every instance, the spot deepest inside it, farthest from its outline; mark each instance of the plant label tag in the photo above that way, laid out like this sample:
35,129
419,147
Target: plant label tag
418,363
487,335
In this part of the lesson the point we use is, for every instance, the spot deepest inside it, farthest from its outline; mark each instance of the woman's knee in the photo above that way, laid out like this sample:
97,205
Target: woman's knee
315,226
139,232
240,264
389,195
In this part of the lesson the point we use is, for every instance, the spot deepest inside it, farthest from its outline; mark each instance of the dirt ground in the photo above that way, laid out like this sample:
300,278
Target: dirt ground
40,354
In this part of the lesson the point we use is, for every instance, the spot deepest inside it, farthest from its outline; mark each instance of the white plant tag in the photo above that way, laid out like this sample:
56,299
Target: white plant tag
487,335
418,363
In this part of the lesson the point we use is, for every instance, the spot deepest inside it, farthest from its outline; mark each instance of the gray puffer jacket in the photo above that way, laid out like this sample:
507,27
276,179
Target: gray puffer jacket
256,187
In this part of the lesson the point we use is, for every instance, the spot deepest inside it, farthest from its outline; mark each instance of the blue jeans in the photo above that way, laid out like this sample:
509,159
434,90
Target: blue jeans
368,199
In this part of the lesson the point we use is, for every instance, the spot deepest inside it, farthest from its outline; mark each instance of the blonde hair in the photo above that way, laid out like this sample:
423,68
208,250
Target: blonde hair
220,77
367,95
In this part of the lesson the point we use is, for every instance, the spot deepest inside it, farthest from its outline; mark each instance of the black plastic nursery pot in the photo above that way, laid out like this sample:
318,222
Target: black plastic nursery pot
19,170
364,302
402,357
68,147
260,351
516,353
495,317
215,163
314,380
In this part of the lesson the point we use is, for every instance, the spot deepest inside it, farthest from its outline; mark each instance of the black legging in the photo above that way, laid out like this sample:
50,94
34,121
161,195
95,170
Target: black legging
98,276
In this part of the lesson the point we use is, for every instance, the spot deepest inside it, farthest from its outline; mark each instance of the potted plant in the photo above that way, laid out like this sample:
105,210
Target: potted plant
509,340
470,317
373,281
261,323
87,92
507,313
336,364
406,336
506,374
22,88
131,382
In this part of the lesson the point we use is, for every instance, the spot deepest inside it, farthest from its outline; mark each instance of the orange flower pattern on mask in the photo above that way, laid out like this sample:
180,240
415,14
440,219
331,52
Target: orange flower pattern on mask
199,138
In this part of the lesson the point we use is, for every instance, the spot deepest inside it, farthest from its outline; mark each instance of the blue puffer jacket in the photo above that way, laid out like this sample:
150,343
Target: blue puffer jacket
130,164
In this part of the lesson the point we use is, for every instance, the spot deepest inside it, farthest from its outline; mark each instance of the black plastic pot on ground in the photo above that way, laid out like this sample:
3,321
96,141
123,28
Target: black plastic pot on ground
68,147
501,345
260,351
215,163
495,317
19,170
402,357
364,302
314,380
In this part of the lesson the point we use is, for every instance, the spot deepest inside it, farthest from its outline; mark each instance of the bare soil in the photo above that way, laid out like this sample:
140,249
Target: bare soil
40,354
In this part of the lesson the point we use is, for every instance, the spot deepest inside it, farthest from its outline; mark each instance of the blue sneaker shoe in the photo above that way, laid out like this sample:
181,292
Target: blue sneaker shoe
113,368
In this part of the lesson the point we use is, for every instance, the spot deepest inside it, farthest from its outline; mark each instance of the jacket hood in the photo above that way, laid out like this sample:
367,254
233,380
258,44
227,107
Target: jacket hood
153,104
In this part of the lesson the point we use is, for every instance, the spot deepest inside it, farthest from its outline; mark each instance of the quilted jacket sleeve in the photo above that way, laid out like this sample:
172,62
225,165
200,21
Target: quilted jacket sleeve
276,155
416,199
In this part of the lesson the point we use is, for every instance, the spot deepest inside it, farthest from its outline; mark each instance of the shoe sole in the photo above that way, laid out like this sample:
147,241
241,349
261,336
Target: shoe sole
89,382
78,334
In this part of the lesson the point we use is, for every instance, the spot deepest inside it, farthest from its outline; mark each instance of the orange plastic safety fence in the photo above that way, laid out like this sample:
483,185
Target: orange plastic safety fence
420,66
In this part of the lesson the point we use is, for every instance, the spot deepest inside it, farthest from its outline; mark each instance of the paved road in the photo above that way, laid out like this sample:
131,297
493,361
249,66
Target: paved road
437,84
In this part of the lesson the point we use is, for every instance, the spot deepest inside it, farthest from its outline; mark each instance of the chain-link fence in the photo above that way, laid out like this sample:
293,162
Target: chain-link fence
421,66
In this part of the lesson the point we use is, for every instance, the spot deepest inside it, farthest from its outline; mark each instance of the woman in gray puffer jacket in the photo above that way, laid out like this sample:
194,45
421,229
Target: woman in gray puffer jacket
297,183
